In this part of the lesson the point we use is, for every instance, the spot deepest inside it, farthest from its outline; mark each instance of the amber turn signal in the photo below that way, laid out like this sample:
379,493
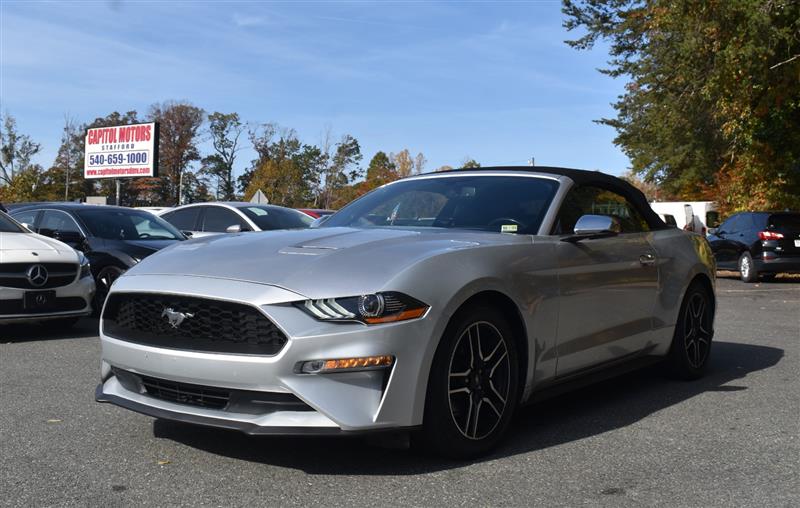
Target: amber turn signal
346,364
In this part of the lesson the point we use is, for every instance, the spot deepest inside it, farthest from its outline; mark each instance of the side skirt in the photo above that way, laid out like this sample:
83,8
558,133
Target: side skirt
593,375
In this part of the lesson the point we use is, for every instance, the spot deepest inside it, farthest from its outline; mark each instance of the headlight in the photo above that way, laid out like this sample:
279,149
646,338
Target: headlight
369,309
86,268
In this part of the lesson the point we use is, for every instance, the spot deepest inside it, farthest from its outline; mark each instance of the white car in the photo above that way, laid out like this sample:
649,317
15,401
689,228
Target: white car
41,278
216,217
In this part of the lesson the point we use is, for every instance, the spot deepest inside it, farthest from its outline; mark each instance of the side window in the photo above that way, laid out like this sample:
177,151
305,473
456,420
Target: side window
218,219
588,200
57,221
28,217
732,224
184,220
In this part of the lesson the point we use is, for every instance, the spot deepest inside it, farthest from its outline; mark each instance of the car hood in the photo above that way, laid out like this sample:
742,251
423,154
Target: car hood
316,263
24,247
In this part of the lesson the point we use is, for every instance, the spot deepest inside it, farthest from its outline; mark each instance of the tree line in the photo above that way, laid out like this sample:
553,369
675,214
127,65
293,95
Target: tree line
288,171
711,108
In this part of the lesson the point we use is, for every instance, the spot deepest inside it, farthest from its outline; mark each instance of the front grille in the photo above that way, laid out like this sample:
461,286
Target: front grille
183,393
72,303
14,275
207,325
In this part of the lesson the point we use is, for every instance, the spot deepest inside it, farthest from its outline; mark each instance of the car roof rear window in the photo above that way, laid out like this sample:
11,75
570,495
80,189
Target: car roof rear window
785,221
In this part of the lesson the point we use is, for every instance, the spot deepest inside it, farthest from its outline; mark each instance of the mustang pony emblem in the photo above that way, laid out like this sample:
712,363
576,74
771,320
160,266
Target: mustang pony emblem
175,318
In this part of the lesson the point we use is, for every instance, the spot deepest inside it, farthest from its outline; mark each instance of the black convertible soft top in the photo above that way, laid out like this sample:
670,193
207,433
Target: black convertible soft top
584,177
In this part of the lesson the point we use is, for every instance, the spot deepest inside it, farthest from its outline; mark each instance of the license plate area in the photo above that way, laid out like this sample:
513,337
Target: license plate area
39,300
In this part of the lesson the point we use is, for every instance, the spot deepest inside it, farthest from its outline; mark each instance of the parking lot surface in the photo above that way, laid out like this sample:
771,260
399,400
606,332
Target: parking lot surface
730,439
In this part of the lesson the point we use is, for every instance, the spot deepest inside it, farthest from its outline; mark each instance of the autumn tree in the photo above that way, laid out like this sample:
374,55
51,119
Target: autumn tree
406,164
470,163
16,150
68,159
179,123
712,104
381,171
342,171
225,131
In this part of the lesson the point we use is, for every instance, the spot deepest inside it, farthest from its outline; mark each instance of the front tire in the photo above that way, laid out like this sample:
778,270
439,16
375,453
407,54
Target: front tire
691,342
747,268
473,385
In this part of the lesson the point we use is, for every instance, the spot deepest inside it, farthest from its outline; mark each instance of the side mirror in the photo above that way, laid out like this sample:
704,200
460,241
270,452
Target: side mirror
187,234
320,221
69,237
594,226
236,228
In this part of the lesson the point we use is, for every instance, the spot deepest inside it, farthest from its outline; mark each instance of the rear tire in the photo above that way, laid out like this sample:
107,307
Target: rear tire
747,268
691,342
473,386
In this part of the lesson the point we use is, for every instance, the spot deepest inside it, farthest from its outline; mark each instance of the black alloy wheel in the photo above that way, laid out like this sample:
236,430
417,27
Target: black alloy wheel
480,377
473,385
691,343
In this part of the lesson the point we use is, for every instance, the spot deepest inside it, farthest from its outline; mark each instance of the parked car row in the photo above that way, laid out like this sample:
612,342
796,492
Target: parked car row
111,240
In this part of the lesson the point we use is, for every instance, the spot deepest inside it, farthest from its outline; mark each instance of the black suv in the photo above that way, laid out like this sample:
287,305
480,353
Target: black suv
113,238
758,244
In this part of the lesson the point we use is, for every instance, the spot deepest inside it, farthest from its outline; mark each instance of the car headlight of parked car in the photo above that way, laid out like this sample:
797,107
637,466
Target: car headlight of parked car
388,307
86,268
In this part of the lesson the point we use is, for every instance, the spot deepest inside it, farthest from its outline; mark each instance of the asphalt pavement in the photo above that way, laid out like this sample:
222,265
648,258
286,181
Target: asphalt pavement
730,439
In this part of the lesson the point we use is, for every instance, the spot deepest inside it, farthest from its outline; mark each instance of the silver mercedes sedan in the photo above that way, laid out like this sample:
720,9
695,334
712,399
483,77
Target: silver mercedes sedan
437,304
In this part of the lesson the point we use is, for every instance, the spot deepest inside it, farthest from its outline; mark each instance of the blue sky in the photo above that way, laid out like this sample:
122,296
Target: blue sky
491,81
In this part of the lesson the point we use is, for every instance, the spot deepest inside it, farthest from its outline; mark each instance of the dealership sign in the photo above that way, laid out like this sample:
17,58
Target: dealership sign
122,152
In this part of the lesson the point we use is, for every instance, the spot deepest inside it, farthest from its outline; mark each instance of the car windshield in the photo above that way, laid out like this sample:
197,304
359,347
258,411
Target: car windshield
504,204
274,217
128,225
7,225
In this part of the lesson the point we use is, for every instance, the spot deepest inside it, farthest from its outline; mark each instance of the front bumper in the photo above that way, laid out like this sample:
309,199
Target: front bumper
339,402
81,289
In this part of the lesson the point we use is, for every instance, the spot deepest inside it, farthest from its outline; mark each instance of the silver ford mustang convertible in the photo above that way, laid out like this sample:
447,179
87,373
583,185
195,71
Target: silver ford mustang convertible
435,304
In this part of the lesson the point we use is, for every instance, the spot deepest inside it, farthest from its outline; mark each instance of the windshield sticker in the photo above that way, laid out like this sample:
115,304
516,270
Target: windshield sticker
508,228
258,211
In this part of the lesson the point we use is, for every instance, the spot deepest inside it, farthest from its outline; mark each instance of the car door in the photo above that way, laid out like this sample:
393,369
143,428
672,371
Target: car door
217,220
186,220
607,286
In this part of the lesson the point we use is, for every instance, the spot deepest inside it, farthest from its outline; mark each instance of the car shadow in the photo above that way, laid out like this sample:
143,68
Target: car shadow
29,332
584,413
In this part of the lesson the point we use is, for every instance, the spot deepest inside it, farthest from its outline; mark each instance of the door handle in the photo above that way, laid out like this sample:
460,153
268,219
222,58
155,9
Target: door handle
647,259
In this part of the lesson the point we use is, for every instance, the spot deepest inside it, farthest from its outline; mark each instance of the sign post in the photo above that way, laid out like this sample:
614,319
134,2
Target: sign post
123,151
